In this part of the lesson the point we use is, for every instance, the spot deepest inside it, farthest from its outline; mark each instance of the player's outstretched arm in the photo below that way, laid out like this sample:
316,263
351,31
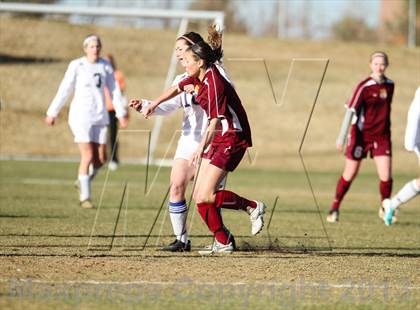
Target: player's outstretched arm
167,94
165,108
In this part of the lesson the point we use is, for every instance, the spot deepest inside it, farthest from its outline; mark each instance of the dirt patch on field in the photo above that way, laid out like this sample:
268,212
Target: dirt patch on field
238,267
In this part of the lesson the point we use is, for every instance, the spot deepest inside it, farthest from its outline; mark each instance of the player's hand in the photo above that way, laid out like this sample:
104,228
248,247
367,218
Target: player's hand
136,104
123,121
339,147
189,88
50,120
195,160
147,111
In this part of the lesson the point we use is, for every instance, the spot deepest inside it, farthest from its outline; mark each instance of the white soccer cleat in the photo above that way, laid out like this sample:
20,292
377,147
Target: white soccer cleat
257,217
332,217
217,248
87,204
112,165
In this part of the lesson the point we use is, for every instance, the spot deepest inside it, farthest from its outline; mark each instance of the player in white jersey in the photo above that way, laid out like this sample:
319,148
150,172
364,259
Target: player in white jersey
412,143
88,115
194,126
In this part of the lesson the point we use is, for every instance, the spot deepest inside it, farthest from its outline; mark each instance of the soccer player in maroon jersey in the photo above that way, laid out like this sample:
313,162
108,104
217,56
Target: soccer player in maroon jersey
227,137
369,111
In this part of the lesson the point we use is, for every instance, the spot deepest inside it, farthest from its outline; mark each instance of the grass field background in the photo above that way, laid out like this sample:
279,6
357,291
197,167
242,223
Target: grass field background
49,259
301,262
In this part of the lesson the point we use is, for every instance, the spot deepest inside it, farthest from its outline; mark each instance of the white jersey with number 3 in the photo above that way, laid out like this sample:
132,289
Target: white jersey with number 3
87,81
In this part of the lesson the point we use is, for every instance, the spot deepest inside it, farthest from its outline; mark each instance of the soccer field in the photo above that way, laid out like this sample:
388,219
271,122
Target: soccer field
56,255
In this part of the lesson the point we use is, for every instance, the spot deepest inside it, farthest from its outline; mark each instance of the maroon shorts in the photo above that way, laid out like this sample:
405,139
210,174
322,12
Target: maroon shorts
358,147
225,157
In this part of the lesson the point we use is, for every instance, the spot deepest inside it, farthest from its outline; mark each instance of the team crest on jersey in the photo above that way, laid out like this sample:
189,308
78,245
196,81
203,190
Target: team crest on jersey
382,93
196,88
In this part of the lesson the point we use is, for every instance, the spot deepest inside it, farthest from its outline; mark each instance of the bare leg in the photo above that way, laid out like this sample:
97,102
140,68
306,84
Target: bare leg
208,179
99,155
182,172
86,157
351,169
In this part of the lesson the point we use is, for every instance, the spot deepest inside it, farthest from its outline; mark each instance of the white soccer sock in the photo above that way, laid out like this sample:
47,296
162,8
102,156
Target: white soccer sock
178,213
409,191
84,182
92,172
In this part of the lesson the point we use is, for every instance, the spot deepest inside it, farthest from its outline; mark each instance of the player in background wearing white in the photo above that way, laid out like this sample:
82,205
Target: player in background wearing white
194,126
412,143
88,115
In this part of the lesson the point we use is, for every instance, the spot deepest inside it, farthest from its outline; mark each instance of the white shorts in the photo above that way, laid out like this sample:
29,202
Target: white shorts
89,133
186,148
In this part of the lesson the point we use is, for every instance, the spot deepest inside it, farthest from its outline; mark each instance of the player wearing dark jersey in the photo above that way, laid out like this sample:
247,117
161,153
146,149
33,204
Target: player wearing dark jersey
227,137
368,111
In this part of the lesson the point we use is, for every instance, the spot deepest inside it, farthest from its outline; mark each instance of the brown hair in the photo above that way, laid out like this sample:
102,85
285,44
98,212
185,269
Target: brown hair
191,38
215,38
210,52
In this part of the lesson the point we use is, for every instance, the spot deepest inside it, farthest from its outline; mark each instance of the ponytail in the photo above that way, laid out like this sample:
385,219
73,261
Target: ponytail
210,52
215,41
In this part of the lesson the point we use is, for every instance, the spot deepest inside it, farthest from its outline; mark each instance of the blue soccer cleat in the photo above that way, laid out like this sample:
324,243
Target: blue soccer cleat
388,212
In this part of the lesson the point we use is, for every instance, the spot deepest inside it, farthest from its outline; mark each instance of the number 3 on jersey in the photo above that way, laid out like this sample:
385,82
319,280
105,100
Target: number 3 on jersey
97,78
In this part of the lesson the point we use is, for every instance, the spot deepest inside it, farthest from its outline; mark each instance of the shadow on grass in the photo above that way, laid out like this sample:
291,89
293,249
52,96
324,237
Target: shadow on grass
247,249
32,216
12,59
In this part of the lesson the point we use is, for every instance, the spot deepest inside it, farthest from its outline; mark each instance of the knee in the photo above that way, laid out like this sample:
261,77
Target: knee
204,198
349,176
177,188
86,157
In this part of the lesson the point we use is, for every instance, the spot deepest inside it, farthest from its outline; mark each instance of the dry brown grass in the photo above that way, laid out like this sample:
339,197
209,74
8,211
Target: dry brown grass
143,55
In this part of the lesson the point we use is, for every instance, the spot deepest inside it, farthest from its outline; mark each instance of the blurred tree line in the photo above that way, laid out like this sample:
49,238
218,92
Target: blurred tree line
351,28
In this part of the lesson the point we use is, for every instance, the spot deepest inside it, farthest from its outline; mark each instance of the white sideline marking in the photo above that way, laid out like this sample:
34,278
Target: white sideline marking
39,181
75,159
189,281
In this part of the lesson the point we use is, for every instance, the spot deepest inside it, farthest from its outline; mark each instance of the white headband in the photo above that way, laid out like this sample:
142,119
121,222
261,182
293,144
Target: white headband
187,39
91,38
378,54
